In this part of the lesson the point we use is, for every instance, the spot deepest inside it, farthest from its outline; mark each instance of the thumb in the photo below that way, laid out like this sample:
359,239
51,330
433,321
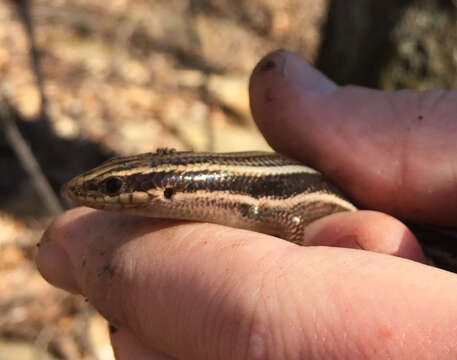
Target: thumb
390,151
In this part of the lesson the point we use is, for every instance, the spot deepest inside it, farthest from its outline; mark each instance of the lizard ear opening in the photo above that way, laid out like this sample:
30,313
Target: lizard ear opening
168,193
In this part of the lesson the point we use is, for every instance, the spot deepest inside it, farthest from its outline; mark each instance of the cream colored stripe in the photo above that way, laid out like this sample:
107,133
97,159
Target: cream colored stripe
230,169
199,158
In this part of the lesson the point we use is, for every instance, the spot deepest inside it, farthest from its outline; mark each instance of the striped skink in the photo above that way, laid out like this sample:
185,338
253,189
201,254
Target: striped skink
260,191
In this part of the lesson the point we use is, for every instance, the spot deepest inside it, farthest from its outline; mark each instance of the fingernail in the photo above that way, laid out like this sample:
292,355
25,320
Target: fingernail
55,266
348,241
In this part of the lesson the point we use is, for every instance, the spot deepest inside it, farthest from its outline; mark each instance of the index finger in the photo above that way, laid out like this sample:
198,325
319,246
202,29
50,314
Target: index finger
192,290
389,151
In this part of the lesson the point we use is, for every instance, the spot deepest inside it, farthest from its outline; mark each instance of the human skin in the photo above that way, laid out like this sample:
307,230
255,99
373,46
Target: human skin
182,290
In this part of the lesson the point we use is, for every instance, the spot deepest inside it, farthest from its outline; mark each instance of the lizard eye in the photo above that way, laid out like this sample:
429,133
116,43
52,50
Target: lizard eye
113,185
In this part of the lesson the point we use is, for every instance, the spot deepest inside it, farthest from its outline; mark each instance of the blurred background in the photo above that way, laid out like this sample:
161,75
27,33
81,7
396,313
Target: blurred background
84,80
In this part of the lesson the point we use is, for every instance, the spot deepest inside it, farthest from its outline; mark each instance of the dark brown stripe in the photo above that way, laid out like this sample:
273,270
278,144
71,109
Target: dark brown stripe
276,186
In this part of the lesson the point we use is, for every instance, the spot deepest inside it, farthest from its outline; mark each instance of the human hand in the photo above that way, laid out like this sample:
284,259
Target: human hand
178,290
